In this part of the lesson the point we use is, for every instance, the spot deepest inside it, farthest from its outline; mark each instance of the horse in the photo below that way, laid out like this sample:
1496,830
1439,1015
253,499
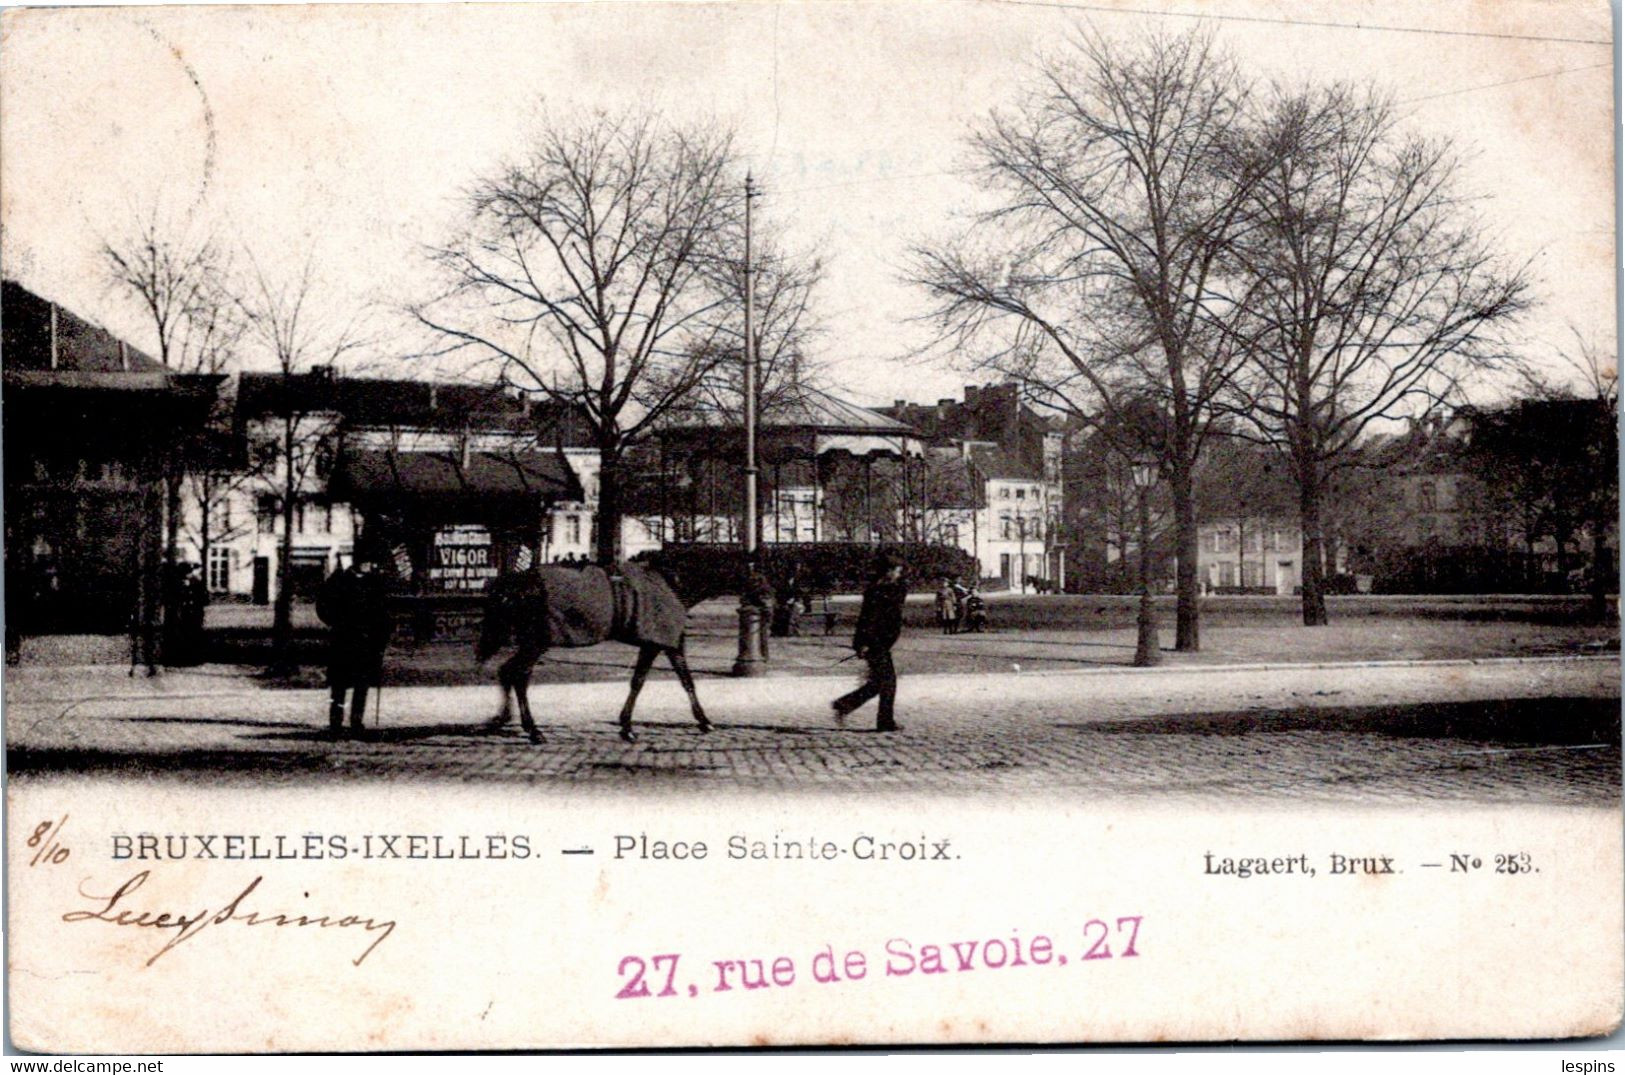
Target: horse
644,605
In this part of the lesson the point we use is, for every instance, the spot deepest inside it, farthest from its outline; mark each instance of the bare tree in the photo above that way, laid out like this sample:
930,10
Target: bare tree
1549,461
1369,290
306,340
177,272
587,272
1102,506
784,326
1118,187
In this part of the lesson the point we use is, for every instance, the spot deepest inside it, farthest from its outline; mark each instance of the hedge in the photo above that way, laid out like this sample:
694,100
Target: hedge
832,566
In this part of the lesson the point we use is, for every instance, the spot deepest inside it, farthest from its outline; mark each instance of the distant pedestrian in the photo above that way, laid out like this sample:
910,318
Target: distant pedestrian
961,596
788,604
191,610
880,622
947,606
759,596
975,614
354,602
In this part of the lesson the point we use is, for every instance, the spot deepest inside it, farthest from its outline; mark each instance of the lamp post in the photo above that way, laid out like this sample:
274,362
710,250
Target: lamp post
1147,652
752,659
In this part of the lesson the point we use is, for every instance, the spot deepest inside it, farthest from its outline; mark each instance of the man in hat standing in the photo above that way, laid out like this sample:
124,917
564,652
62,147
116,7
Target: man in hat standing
880,621
354,602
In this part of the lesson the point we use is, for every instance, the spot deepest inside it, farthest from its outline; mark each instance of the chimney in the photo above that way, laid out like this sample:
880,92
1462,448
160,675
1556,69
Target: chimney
899,404
971,392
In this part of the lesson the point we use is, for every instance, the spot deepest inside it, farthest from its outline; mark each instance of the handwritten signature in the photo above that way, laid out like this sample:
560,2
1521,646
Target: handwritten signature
115,910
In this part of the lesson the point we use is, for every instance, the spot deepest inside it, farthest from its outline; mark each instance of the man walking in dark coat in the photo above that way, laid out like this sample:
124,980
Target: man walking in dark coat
354,602
880,621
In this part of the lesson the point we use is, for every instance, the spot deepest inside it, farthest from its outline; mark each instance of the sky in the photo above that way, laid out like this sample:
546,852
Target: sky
348,133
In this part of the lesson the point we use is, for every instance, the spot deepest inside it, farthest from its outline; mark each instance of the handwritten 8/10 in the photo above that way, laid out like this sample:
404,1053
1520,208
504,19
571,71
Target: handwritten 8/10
44,842
902,958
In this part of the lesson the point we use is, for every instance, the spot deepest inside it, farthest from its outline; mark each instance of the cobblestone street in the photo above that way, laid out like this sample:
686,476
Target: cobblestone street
1483,732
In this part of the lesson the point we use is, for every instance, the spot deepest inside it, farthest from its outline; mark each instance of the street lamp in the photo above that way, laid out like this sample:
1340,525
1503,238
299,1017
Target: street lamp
1146,650
752,659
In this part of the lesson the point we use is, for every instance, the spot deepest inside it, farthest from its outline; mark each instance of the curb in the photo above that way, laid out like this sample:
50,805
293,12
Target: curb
249,689
1287,666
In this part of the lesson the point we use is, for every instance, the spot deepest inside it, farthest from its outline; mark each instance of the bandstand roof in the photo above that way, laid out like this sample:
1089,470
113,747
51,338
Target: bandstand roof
802,408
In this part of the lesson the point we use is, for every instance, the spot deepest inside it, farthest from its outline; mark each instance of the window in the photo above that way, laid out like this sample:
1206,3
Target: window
1004,566
265,513
1004,492
1021,494
1227,574
299,518
1211,541
218,574
1004,527
327,518
1251,574
950,534
572,529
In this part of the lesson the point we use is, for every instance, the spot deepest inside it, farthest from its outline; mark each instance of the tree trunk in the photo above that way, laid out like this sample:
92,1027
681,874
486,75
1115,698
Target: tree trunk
1314,548
170,584
282,662
1187,634
205,533
607,548
1602,572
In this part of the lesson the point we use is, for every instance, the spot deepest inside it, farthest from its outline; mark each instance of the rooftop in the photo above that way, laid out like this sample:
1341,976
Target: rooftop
41,335
802,407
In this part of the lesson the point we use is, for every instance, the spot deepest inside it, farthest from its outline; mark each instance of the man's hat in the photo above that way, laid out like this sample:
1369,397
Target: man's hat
371,550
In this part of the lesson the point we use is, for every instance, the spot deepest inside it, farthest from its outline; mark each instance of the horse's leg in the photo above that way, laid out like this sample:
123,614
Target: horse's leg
523,662
680,664
646,660
506,672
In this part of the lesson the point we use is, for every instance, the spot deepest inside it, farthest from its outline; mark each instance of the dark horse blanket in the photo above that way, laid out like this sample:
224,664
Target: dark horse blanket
583,606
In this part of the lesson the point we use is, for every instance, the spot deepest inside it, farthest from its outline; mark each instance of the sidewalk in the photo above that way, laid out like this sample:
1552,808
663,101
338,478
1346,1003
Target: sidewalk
1542,730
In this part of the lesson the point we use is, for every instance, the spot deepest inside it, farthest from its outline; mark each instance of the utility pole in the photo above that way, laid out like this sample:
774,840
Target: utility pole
752,660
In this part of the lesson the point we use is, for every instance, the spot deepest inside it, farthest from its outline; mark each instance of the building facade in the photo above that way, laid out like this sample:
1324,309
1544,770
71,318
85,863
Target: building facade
457,480
1003,501
95,430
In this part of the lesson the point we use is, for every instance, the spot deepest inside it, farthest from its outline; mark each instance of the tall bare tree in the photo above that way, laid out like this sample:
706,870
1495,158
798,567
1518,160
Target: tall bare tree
1550,461
288,321
1369,289
1117,185
784,326
177,272
1597,384
587,272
